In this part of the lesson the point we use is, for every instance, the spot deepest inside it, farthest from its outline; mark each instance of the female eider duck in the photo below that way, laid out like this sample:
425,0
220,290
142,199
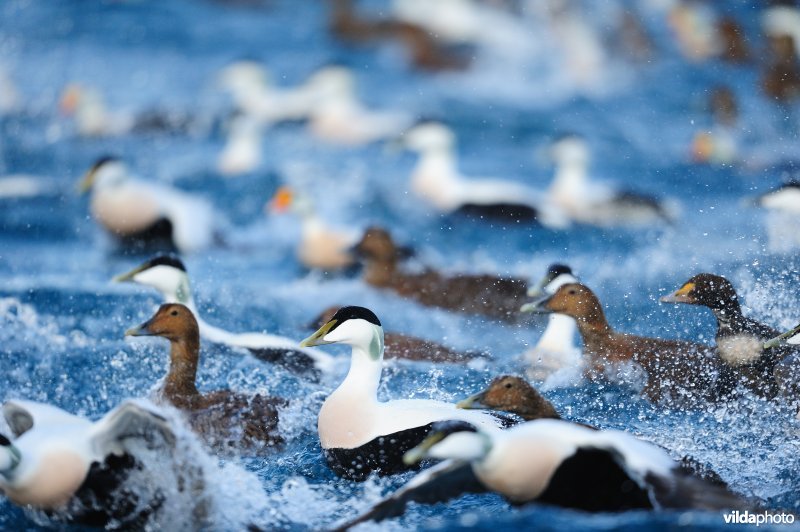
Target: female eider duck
549,461
403,346
167,274
740,340
556,348
496,297
224,419
360,434
144,212
595,203
436,180
338,117
321,246
76,470
676,370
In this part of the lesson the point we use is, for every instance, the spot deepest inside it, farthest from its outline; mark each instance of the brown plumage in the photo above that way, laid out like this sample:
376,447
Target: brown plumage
398,345
224,419
424,50
734,42
676,370
781,80
512,394
496,297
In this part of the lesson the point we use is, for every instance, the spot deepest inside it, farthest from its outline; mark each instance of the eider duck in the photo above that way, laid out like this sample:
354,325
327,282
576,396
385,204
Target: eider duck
556,347
360,434
168,275
595,203
718,144
436,180
740,340
787,371
403,346
338,117
677,371
424,50
242,151
514,395
549,461
321,246
224,419
254,96
145,212
76,470
487,295
785,198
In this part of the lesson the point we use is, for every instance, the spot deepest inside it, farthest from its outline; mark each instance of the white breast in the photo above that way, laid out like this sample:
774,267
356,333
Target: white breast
740,349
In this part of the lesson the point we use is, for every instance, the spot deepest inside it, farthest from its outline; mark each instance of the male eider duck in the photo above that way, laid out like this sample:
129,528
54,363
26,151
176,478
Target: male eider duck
242,151
167,274
785,198
436,180
676,370
740,340
592,202
556,348
137,211
549,461
76,470
321,246
224,419
360,434
403,346
338,117
496,297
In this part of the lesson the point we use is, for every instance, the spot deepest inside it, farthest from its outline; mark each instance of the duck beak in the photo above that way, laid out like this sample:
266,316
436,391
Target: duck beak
86,182
126,277
474,402
538,306
784,338
420,452
681,295
318,337
142,330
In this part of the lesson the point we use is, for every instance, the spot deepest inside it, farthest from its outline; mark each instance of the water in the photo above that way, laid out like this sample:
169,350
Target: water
62,320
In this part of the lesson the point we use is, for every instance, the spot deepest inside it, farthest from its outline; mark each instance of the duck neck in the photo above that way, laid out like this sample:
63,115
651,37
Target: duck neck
364,377
180,387
728,314
380,271
593,324
570,178
559,334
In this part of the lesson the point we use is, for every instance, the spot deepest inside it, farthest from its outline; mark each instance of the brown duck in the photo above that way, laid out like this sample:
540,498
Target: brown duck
224,419
509,393
496,297
676,370
398,345
740,340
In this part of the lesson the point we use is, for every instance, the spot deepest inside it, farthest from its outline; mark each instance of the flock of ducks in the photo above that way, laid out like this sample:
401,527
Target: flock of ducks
508,438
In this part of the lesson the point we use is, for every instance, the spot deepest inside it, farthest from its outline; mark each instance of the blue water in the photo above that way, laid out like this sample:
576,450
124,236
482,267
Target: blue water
62,320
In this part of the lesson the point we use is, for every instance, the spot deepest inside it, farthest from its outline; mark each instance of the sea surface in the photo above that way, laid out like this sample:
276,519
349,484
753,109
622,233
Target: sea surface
62,319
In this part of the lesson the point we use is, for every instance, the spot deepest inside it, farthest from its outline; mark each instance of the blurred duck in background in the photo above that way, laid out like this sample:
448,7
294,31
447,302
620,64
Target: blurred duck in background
242,151
338,117
436,180
94,119
145,214
719,145
595,203
487,295
556,349
168,275
321,246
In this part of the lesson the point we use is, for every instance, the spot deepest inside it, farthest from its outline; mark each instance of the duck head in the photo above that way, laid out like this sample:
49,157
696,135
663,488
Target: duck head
287,199
332,83
357,327
165,273
791,337
106,171
572,299
570,150
244,77
429,136
556,276
10,457
511,394
377,245
172,321
451,439
708,290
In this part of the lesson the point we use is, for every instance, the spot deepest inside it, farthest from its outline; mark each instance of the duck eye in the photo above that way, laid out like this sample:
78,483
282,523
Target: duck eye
508,385
174,313
572,292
